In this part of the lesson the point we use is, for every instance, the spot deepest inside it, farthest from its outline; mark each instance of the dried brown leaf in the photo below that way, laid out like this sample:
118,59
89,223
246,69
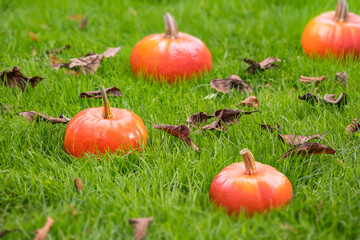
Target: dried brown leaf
33,51
328,99
250,102
15,78
312,79
54,60
78,184
35,116
198,119
33,37
298,139
111,52
353,127
110,92
309,148
268,63
270,128
342,77
58,50
226,117
233,81
140,226
83,23
41,233
180,131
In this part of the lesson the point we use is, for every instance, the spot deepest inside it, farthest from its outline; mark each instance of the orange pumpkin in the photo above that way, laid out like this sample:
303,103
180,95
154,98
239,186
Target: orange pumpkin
172,56
250,186
101,130
335,33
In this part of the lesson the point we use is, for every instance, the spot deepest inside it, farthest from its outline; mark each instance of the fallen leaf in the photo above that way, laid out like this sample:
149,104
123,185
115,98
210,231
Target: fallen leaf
110,92
33,37
298,139
83,23
78,184
54,60
41,233
72,72
309,148
33,51
312,79
233,81
353,127
140,226
268,63
270,128
250,102
76,17
223,116
89,63
342,77
58,50
15,78
111,52
180,131
35,116
328,99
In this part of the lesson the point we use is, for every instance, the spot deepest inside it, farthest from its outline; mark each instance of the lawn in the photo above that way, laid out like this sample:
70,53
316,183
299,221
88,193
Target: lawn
169,180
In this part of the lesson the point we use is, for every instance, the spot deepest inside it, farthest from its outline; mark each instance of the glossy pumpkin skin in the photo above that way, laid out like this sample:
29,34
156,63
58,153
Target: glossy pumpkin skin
237,191
169,59
89,132
323,36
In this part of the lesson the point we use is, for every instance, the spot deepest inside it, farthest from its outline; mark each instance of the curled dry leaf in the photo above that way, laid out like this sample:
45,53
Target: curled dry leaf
298,139
328,99
312,79
110,92
224,117
89,63
268,63
33,37
58,50
270,128
41,233
250,102
180,131
309,148
342,77
233,81
83,23
35,116
78,184
353,127
140,226
15,78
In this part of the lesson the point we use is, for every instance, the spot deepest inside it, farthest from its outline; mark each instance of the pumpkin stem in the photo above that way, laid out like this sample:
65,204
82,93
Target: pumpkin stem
342,11
171,27
107,113
249,161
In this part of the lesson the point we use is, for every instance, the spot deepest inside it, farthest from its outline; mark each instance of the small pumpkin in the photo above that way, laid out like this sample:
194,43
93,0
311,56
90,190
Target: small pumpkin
104,129
170,57
250,186
335,33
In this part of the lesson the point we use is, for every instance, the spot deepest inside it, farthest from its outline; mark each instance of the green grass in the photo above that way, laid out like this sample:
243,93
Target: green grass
169,180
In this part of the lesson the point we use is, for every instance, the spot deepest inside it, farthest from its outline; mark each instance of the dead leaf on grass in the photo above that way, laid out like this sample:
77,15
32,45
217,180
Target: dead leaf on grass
78,184
15,78
353,127
110,92
180,131
250,102
312,79
41,233
58,50
270,128
33,51
33,37
83,23
268,63
309,148
328,99
35,116
342,78
233,81
140,226
298,139
198,119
